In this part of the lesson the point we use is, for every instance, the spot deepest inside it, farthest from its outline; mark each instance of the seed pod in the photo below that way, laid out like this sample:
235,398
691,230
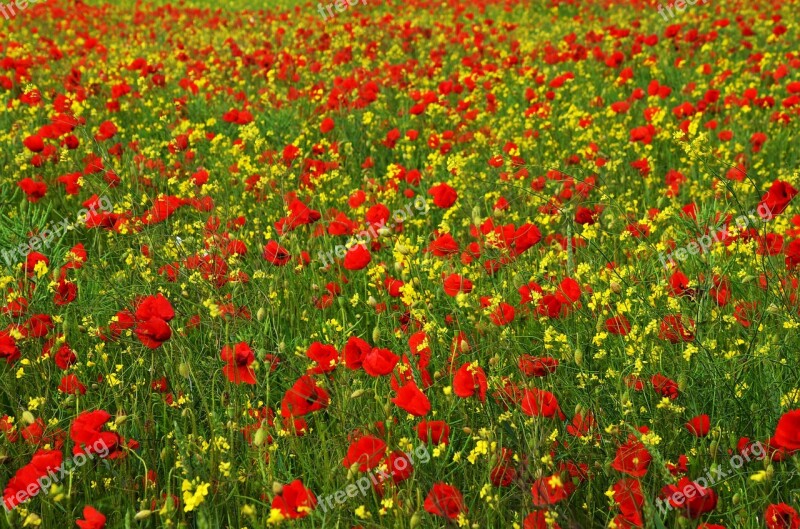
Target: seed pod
615,287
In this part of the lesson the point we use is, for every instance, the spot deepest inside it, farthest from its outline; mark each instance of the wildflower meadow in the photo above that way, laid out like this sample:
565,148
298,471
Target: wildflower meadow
487,264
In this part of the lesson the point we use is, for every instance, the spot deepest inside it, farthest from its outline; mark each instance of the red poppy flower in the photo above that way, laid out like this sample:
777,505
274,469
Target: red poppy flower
276,254
549,490
26,479
540,403
155,307
34,190
787,433
618,325
153,332
454,283
445,500
781,516
87,433
71,385
354,351
8,347
777,198
379,362
366,451
695,503
304,397
469,379
399,465
238,360
93,519
411,399
534,366
444,196
665,386
632,458
443,246
677,328
436,432
699,426
629,497
538,520
295,500
357,257
326,357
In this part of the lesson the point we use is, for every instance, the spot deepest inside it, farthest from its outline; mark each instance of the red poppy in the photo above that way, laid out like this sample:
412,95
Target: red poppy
71,385
549,490
366,451
436,432
354,351
304,397
454,283
443,246
468,380
533,366
34,190
295,500
87,433
25,482
325,356
8,347
781,516
379,362
677,328
445,500
155,307
538,520
665,386
699,426
411,399
618,325
444,196
399,465
540,403
787,433
357,257
93,519
695,503
777,198
153,332
632,458
276,254
238,360
629,497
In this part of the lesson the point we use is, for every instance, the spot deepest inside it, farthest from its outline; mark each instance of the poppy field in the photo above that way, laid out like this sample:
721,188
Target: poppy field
400,264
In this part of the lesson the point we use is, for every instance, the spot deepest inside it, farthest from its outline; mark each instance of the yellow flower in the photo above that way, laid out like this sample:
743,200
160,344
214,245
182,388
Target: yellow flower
193,499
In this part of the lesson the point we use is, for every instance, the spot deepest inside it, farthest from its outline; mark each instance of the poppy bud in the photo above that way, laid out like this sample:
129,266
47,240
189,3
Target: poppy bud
260,314
578,357
120,419
415,520
357,393
376,335
615,287
260,436
277,488
142,515
27,417
183,369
